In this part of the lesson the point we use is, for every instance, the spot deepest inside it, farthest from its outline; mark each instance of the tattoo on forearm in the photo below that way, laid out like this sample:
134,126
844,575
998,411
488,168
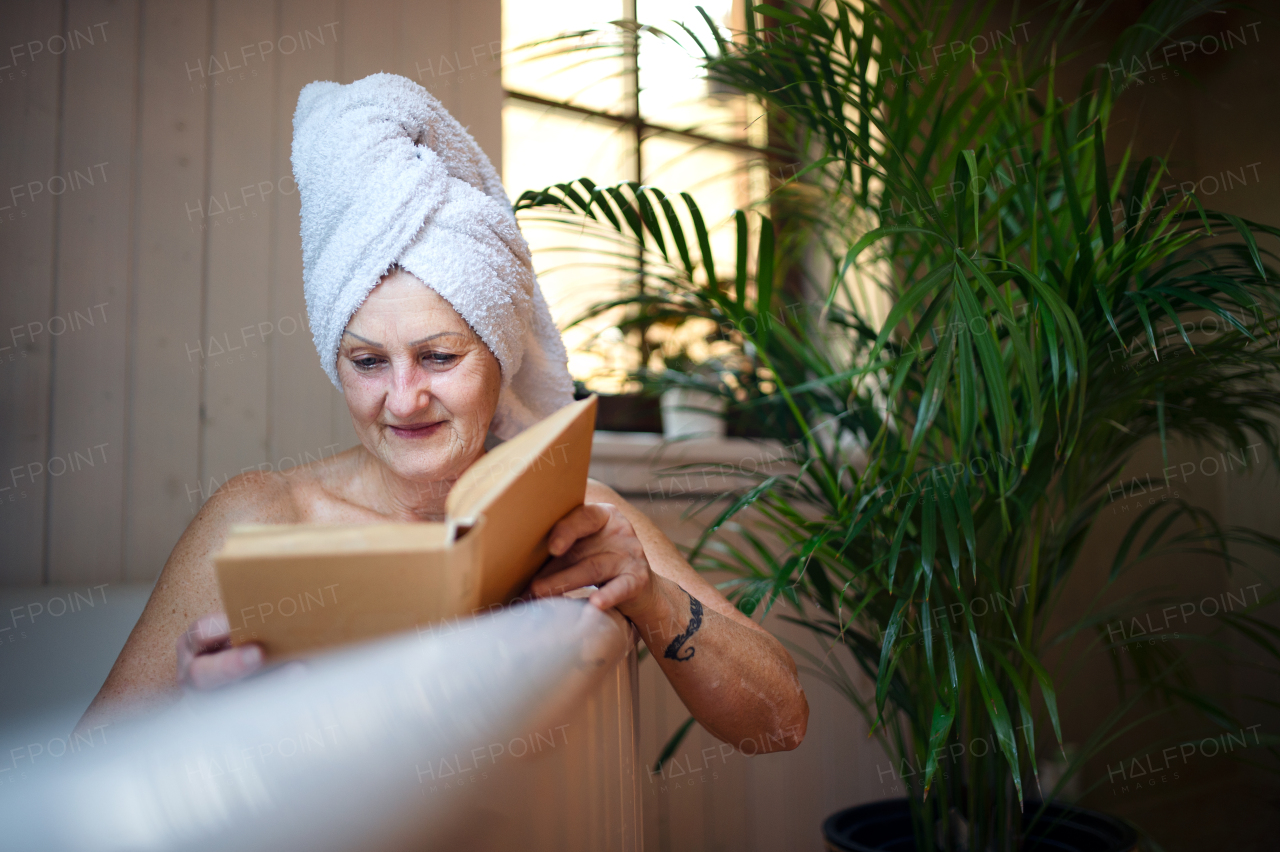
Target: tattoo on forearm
695,622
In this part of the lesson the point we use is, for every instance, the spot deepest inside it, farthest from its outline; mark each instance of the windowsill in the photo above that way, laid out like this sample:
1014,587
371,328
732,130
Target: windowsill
648,464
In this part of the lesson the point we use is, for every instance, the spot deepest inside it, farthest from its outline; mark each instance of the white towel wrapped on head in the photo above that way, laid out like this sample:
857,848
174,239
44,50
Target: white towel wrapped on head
388,177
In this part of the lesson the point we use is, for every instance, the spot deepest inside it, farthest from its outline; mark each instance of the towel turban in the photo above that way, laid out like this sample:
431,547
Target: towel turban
388,177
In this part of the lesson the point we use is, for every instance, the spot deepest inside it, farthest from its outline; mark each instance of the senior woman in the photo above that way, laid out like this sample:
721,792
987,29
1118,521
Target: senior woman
428,318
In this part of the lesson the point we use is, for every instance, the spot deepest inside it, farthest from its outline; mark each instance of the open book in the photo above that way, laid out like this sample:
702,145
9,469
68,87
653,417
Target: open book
297,588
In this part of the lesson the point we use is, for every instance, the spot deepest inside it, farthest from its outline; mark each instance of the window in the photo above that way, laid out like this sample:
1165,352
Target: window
613,106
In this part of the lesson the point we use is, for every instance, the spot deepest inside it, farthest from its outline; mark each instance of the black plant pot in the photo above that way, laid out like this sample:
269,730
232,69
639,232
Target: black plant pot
885,826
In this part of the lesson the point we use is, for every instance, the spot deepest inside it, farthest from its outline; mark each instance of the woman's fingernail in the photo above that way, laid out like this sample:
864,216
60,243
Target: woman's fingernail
250,655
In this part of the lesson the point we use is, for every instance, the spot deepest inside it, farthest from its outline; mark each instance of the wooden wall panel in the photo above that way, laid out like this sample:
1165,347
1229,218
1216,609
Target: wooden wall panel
166,357
301,394
431,25
477,35
238,239
372,38
90,365
29,116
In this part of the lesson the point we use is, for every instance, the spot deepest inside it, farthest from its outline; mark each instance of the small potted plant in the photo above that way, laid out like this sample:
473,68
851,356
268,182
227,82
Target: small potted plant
689,408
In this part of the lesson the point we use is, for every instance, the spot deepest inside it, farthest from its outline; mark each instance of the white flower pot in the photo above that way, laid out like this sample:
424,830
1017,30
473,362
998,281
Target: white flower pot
689,413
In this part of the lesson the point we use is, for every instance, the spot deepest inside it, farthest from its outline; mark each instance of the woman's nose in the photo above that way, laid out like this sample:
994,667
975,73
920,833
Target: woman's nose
410,391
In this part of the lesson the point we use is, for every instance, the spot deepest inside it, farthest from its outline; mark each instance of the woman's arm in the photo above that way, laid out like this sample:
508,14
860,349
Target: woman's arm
736,679
145,675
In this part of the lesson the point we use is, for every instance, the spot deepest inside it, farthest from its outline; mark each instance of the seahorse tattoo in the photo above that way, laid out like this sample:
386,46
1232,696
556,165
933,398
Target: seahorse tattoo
695,622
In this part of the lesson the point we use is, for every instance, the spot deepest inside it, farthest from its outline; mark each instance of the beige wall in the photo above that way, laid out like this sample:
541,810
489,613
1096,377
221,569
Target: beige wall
151,224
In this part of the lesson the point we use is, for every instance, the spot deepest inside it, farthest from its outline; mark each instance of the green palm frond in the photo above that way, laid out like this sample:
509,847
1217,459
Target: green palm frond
1043,314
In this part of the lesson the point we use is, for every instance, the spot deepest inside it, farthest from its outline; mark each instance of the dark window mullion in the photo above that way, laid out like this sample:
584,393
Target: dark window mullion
649,127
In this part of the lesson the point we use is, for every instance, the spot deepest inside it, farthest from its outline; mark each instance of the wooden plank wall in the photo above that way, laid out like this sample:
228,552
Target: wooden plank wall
153,335
29,97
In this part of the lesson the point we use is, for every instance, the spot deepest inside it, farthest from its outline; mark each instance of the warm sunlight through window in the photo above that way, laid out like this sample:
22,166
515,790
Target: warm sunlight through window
606,105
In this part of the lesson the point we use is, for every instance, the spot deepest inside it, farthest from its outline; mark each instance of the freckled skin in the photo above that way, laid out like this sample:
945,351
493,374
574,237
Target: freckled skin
408,360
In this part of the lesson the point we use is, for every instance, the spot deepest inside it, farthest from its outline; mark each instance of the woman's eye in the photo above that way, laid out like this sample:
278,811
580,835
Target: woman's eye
439,359
365,363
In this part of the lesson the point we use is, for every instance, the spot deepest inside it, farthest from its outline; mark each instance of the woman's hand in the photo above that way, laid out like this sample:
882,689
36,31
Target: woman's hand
206,658
596,545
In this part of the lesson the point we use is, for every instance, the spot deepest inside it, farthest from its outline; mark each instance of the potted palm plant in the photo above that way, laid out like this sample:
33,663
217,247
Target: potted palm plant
950,391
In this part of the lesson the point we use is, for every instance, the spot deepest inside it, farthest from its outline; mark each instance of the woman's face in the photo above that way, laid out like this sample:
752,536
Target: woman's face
422,387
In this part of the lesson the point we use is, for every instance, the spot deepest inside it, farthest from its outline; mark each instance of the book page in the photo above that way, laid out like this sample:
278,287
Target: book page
522,487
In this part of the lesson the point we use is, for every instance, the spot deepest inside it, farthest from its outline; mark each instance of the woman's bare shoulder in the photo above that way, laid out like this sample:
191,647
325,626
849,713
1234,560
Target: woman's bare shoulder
249,498
287,496
256,497
598,492
144,673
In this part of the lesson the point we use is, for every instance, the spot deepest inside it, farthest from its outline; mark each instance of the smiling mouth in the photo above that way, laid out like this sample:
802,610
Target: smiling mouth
415,430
